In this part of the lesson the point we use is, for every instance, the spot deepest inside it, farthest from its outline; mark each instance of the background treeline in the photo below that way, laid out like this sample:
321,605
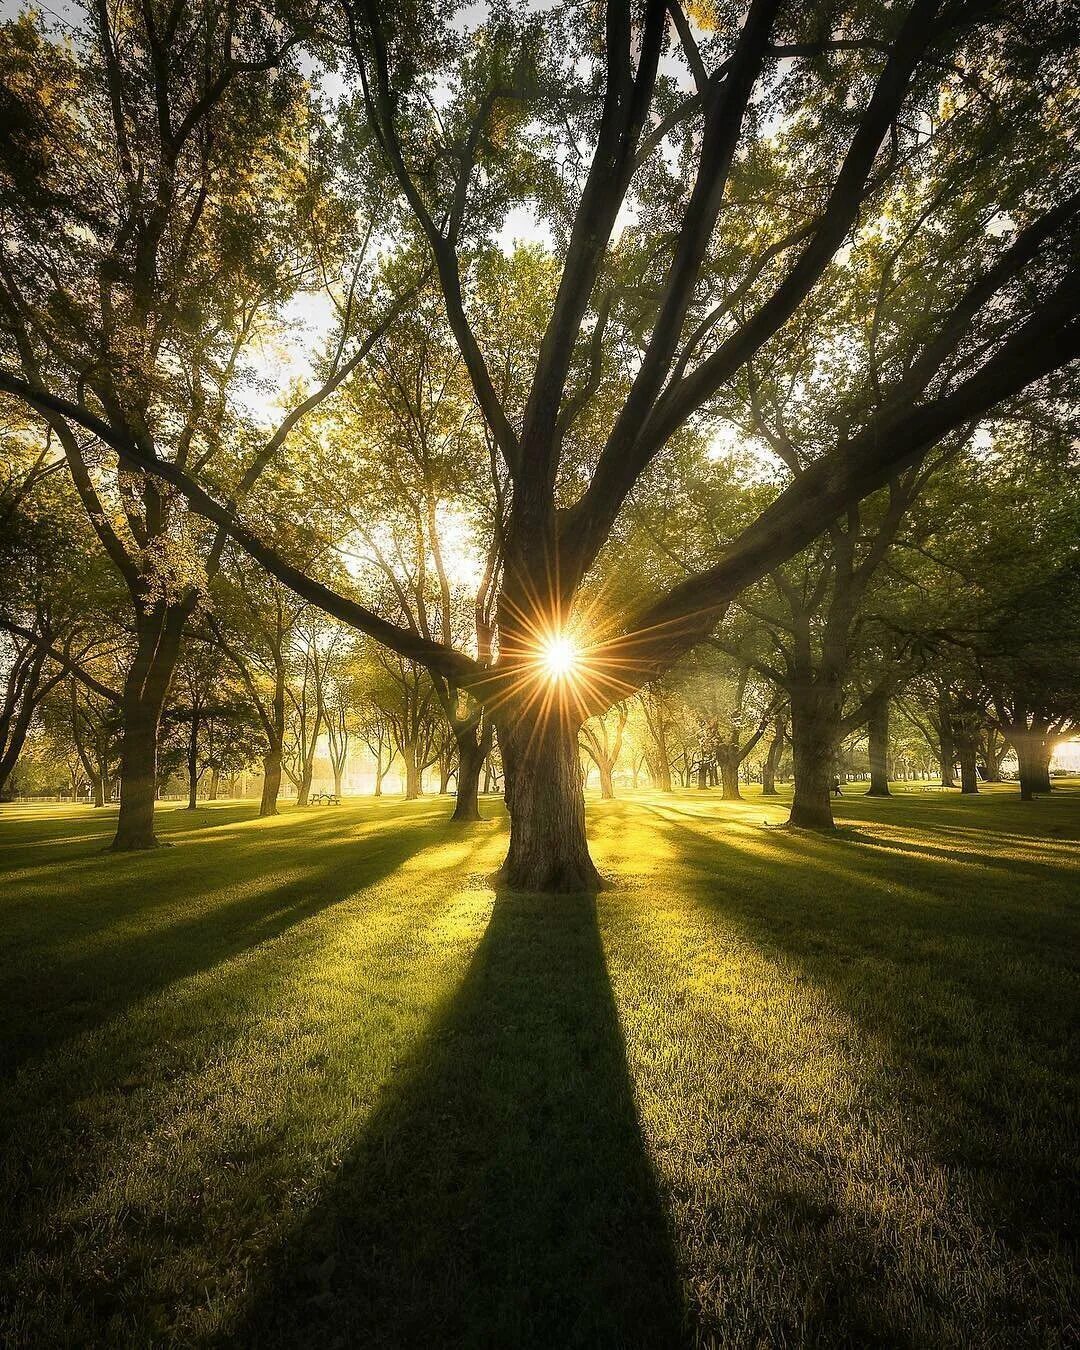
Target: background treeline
933,634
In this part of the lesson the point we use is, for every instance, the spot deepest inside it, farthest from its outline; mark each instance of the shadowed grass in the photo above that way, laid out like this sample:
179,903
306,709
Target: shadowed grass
309,1081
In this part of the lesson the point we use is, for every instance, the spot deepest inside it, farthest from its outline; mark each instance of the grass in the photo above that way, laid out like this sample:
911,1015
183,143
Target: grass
311,1081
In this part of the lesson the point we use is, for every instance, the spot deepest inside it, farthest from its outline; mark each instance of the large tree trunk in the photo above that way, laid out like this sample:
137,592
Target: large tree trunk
702,776
337,782
271,781
145,691
275,737
729,777
473,741
215,783
1033,758
877,728
607,786
413,786
815,717
995,752
947,751
303,792
969,776
543,791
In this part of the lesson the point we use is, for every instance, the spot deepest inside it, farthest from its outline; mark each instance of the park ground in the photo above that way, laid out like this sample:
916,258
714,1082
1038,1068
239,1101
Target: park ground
313,1081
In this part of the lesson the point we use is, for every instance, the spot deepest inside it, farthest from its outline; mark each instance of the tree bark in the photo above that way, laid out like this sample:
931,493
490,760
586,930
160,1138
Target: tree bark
1033,758
268,806
729,776
772,762
815,717
145,691
947,752
16,724
215,783
413,786
877,728
473,741
543,791
969,777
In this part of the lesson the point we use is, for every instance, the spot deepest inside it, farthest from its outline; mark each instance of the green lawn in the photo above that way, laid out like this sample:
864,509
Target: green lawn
312,1082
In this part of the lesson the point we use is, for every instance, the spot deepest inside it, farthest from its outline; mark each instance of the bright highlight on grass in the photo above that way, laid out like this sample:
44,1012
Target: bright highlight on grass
559,656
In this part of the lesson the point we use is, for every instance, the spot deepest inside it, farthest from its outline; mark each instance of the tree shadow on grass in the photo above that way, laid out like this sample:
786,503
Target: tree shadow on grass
900,1077
963,976
46,1002
500,1195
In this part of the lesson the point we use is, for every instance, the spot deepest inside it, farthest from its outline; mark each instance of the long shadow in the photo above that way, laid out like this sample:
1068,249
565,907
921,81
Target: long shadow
500,1194
956,961
46,1004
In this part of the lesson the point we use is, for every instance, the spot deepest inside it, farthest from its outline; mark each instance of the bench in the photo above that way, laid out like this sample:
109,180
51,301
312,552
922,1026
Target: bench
326,799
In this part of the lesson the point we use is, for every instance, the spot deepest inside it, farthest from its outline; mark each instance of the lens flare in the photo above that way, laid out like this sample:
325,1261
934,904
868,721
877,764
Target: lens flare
559,657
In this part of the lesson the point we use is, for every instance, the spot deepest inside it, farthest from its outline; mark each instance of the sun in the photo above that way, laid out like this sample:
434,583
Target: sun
559,657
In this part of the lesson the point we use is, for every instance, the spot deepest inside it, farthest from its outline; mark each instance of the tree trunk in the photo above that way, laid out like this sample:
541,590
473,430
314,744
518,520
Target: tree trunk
412,773
379,771
703,776
1026,761
772,762
303,792
729,777
193,763
271,781
1033,758
995,753
14,731
473,743
969,777
1041,774
543,791
947,752
337,782
814,734
877,728
145,691
663,760
215,783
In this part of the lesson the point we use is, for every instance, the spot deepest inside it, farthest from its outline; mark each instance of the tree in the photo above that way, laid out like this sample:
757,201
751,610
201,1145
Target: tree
254,622
57,615
164,191
602,740
788,141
